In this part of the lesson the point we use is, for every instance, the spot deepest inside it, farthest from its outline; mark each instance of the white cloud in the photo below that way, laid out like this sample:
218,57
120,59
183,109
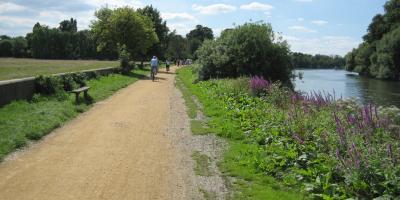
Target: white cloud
115,3
319,22
301,29
177,16
257,6
17,21
181,28
327,45
11,7
214,9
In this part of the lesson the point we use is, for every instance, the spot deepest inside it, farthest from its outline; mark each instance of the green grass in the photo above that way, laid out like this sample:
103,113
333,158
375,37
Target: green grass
202,167
249,183
21,121
208,195
198,127
189,102
240,157
11,68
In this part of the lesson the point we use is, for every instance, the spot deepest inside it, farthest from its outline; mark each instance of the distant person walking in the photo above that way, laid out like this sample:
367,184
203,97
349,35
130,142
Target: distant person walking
167,63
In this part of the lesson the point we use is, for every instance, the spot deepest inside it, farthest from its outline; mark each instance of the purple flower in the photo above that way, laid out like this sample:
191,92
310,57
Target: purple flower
298,138
258,84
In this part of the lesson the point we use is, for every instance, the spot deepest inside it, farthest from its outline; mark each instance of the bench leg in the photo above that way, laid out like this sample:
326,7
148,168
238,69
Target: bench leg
85,94
77,97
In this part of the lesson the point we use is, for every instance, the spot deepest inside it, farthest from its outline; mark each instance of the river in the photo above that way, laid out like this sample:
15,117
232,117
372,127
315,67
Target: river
349,85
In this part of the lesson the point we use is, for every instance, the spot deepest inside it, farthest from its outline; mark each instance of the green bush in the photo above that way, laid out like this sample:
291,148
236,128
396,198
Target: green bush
250,49
124,59
48,84
68,82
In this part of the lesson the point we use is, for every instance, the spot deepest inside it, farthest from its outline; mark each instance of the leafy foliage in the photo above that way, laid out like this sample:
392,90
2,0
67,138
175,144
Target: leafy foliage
177,47
300,60
378,55
330,149
160,28
124,26
197,36
249,49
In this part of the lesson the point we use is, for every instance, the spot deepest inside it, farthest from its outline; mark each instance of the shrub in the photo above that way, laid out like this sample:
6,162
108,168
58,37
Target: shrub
124,59
80,78
250,49
68,82
48,84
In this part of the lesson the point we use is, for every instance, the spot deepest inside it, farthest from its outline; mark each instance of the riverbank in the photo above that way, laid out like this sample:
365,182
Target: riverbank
349,85
23,121
310,145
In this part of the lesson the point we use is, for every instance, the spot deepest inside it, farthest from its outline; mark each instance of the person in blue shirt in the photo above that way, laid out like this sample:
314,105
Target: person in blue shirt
154,64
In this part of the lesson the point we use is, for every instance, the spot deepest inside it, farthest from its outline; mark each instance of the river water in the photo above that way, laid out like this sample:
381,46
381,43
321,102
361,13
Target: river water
349,85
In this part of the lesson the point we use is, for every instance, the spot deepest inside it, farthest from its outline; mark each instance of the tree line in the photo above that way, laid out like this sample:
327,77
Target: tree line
141,33
378,56
318,61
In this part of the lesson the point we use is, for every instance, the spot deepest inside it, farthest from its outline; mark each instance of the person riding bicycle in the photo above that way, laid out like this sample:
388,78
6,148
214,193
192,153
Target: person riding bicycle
154,64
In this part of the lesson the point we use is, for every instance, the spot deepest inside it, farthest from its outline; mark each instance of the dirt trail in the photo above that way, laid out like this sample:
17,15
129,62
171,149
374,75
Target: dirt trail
120,149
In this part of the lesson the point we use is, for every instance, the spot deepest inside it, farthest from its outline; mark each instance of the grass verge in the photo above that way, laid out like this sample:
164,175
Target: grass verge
187,96
198,128
208,195
202,167
239,159
22,121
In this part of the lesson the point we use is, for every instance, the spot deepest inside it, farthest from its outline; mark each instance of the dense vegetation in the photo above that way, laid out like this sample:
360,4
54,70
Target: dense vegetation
140,32
22,121
304,61
249,49
379,55
327,149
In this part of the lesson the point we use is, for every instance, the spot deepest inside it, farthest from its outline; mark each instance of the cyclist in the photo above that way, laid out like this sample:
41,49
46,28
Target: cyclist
154,64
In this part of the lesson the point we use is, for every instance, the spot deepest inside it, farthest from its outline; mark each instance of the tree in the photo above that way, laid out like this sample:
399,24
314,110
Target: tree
20,47
69,26
374,57
387,62
177,47
105,45
124,26
201,33
6,48
250,49
161,30
376,29
197,36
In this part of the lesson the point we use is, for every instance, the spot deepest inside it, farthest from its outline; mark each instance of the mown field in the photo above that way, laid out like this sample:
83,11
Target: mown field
11,68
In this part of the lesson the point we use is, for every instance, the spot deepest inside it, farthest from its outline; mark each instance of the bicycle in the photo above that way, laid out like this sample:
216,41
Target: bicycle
153,73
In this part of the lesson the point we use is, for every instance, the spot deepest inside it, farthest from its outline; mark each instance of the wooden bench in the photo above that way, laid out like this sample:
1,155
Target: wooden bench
79,90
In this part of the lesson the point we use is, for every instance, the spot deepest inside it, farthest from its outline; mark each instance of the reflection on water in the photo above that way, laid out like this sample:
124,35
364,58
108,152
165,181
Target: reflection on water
347,85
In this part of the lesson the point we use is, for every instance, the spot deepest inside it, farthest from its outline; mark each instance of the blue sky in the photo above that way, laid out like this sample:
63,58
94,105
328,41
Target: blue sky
310,26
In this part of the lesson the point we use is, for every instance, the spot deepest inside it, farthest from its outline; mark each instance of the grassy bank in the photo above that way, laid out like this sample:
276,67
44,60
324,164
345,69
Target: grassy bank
285,145
22,121
239,159
11,68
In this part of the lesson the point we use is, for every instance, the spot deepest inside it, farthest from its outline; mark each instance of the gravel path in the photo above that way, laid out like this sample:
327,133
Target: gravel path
134,145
